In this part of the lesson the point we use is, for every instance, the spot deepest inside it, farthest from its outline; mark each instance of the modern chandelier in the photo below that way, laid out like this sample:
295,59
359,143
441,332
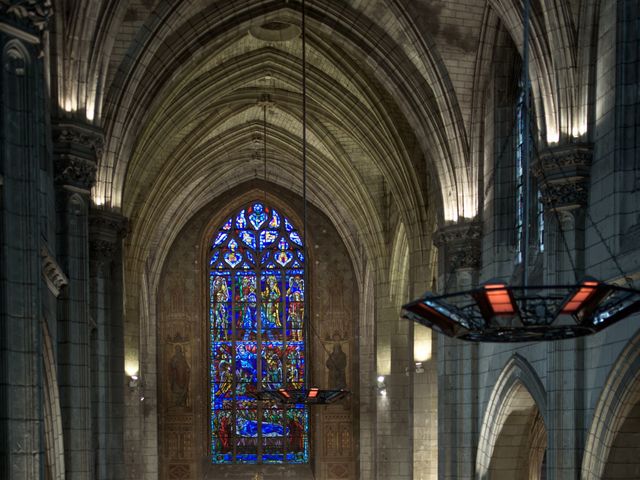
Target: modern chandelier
497,312
307,395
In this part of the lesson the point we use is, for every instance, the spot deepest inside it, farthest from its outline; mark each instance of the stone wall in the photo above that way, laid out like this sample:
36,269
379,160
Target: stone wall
183,330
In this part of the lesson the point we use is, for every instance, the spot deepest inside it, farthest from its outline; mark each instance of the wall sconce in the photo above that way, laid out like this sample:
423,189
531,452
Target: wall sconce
382,387
134,380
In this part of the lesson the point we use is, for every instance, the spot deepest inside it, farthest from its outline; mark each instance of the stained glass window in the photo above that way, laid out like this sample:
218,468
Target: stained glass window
519,171
256,286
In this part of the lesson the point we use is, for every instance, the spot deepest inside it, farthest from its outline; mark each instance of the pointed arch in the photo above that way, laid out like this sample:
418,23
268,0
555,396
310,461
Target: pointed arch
399,266
618,396
256,324
517,377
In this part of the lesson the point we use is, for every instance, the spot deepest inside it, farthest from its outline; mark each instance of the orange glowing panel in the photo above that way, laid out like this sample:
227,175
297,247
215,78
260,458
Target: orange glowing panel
284,393
499,299
575,303
313,393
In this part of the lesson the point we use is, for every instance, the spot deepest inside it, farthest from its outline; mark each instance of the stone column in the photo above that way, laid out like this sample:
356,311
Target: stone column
76,150
563,176
459,260
106,230
394,452
22,145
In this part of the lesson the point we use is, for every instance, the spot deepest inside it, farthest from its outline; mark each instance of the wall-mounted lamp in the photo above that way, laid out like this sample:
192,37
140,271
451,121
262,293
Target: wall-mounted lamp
382,387
134,380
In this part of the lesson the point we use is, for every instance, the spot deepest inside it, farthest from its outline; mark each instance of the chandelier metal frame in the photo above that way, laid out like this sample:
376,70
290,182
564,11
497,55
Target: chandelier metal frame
496,312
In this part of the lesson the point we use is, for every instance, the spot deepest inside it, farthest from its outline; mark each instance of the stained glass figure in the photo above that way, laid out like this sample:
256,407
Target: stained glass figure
256,318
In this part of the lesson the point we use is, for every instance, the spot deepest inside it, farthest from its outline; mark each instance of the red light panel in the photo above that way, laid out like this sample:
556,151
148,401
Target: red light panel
313,393
586,290
284,393
499,299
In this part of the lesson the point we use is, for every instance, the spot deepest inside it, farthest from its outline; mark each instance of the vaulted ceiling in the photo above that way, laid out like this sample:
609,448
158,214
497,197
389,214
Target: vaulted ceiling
181,89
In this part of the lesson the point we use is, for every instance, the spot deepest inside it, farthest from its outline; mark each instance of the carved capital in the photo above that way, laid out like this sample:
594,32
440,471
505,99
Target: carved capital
52,272
565,195
563,176
75,172
107,225
31,14
461,243
82,139
563,162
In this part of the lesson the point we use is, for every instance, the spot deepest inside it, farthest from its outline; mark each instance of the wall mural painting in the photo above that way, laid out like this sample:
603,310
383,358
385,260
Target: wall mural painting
256,312
179,370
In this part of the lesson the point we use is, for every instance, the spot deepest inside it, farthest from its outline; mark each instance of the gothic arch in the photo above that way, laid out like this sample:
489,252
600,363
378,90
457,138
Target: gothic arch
618,396
399,266
54,440
518,379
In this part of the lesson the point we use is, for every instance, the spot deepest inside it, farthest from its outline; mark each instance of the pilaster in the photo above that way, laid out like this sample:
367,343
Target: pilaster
76,149
106,230
22,141
563,175
459,260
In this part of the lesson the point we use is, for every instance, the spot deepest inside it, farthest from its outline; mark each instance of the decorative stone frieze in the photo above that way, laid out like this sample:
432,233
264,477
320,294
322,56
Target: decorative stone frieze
565,195
77,149
563,176
80,136
461,243
106,228
52,272
75,172
33,14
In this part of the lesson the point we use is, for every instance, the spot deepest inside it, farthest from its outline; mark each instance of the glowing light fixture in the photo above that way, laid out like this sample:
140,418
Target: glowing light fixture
502,313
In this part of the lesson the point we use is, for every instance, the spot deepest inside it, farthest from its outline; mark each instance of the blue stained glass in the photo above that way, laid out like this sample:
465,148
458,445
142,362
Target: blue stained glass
249,238
258,216
295,238
275,220
246,288
287,225
267,237
283,258
254,303
246,369
283,244
220,238
272,365
232,258
241,221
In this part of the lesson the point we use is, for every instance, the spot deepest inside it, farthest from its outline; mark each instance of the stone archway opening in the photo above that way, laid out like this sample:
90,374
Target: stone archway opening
520,446
623,461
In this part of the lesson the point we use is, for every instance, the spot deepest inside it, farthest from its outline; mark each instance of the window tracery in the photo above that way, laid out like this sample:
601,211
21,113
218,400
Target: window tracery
256,287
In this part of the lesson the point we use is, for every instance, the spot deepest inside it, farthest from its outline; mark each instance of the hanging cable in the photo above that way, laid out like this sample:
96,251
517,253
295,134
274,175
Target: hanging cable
305,303
264,144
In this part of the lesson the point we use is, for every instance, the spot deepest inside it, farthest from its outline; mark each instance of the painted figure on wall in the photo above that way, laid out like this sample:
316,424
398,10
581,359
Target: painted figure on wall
337,366
179,377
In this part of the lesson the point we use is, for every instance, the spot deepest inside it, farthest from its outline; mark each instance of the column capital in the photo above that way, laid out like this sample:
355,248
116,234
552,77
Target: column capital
106,229
461,243
563,175
77,148
29,16
107,226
